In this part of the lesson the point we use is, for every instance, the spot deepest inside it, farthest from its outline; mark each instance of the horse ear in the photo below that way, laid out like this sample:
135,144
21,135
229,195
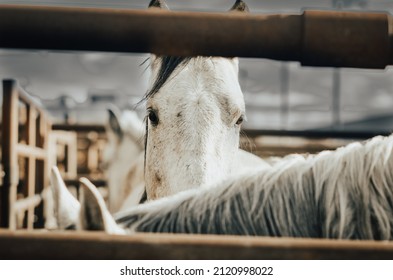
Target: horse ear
66,206
240,6
158,4
114,122
94,214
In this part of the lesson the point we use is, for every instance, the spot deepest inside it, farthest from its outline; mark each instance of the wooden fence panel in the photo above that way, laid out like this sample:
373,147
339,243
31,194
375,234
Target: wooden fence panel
35,153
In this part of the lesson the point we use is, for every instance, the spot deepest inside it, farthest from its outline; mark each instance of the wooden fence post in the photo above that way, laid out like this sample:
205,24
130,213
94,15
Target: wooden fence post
9,158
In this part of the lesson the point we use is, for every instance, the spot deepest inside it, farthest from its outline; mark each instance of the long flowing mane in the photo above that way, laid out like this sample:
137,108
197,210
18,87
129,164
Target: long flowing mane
347,193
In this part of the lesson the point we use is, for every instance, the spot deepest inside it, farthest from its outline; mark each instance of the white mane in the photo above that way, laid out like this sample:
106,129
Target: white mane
347,193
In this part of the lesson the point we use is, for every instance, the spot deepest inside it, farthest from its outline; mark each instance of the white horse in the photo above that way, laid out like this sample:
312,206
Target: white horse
195,109
346,194
123,159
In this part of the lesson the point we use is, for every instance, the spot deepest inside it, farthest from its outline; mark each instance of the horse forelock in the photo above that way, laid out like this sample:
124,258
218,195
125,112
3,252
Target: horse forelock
146,136
168,64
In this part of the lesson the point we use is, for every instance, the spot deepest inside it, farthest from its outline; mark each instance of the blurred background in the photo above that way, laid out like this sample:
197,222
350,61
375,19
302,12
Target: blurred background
76,87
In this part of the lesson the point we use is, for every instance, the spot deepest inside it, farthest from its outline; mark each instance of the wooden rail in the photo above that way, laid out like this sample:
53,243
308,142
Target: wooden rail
94,245
28,150
67,141
33,150
315,38
91,140
25,204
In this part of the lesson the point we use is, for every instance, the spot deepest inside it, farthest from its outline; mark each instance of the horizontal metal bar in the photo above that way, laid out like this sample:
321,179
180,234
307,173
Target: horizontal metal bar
93,245
315,38
326,133
64,137
255,132
315,133
29,151
79,127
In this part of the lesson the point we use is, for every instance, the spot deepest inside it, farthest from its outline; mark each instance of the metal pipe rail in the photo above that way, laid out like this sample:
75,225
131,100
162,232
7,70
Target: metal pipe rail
316,134
95,245
314,38
251,132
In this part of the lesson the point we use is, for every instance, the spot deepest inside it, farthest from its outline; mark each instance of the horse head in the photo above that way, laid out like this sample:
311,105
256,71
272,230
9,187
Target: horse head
122,152
195,108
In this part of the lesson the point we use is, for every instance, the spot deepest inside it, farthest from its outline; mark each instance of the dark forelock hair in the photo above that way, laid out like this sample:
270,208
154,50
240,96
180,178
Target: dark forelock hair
168,64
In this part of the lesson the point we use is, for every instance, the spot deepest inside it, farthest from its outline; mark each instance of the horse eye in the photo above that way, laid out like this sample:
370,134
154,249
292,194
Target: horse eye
240,120
153,117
